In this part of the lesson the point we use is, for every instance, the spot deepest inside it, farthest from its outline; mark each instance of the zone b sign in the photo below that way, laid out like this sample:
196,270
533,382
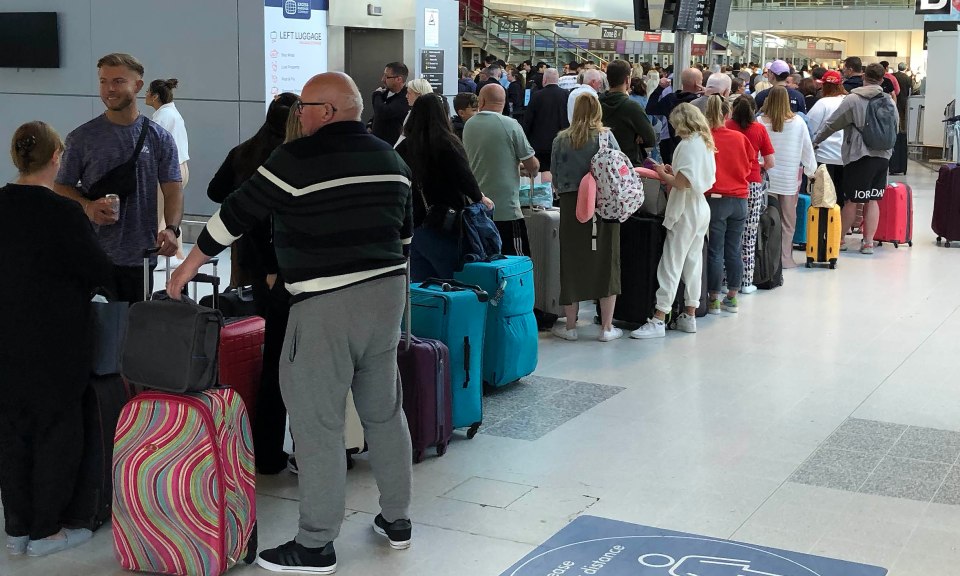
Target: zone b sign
933,6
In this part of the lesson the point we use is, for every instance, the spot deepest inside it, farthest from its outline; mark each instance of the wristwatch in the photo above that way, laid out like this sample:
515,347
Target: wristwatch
174,229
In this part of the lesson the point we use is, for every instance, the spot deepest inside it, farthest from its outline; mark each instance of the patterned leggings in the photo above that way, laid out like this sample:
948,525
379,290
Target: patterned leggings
755,205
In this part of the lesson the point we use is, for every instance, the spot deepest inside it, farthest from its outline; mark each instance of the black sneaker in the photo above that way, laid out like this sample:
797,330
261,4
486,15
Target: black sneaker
293,558
398,531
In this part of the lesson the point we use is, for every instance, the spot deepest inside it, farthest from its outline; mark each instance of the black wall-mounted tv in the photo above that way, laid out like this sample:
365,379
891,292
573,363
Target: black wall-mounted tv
29,40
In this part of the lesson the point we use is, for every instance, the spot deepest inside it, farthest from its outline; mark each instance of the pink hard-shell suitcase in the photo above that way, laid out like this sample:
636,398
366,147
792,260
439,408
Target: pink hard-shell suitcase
896,216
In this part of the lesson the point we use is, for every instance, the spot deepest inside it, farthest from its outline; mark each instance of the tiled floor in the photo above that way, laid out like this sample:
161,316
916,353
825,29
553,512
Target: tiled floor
709,433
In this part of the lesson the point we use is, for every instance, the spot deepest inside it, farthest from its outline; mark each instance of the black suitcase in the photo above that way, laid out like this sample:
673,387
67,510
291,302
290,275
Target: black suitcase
678,304
641,246
768,273
103,400
234,302
898,161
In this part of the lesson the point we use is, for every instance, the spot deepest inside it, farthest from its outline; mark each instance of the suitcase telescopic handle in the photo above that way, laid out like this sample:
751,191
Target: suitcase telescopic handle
450,285
407,312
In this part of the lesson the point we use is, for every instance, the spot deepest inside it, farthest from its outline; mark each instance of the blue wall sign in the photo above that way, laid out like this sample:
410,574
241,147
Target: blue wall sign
592,546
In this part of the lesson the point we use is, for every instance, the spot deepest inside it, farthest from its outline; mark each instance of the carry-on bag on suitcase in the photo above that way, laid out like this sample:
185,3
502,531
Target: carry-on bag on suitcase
824,236
768,273
898,160
800,233
641,246
543,230
184,499
896,216
510,341
103,401
946,205
455,314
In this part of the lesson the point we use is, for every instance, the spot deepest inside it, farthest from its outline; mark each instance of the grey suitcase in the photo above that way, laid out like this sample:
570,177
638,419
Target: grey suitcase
654,198
543,231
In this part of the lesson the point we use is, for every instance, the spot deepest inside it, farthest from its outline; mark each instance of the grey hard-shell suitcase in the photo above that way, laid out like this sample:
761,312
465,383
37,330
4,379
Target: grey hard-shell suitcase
543,231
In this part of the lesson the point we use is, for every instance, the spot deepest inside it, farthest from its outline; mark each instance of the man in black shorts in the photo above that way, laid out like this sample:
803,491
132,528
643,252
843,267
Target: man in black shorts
865,168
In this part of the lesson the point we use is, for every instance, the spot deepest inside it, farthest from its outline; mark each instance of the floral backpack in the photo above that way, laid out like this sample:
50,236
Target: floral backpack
619,189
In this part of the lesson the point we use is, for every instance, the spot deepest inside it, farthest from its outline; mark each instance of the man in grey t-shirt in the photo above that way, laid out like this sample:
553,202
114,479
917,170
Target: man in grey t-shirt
107,142
496,146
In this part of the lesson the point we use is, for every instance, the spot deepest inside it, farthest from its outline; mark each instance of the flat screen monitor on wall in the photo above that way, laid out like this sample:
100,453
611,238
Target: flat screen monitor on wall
29,40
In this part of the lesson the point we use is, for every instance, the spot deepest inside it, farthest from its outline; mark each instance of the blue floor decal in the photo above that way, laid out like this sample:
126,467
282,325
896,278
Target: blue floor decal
592,546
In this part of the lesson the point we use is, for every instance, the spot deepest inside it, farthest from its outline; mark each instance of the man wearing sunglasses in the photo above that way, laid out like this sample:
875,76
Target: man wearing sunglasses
390,103
343,221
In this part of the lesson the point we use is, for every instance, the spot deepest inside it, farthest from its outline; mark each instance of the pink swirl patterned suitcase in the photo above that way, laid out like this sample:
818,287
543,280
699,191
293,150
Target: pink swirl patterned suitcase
184,500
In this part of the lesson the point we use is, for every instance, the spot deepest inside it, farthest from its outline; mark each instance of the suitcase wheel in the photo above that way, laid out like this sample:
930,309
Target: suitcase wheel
441,449
809,265
417,456
473,430
833,264
939,239
910,243
947,243
251,556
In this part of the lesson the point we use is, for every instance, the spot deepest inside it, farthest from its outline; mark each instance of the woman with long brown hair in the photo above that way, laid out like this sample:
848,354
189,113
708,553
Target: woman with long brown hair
585,273
791,139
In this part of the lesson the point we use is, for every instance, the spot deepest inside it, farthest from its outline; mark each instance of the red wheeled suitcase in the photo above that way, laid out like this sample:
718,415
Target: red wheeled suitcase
241,358
896,216
427,397
946,205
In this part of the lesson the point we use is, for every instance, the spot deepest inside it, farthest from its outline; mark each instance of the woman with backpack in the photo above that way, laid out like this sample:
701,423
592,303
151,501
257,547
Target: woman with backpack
588,270
687,219
791,139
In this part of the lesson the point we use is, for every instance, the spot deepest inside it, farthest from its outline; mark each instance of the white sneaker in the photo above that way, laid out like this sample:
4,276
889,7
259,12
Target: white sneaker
748,289
687,323
560,331
652,329
611,334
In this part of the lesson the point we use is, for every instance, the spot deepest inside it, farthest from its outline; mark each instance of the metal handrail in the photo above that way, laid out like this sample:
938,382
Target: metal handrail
488,18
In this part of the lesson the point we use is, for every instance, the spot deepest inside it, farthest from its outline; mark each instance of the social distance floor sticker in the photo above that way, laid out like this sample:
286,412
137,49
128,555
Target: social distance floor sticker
593,546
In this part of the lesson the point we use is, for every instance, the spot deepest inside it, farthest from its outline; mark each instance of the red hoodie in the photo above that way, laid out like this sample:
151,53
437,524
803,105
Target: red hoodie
734,161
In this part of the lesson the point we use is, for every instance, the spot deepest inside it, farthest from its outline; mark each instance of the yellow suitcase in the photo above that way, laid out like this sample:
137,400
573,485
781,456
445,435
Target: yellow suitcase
824,235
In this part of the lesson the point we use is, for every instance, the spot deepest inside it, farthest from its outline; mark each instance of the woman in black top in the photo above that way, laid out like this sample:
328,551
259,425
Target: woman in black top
441,180
516,93
254,262
54,262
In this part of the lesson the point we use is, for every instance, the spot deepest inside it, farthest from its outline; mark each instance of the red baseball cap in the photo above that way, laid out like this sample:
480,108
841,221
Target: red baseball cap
832,77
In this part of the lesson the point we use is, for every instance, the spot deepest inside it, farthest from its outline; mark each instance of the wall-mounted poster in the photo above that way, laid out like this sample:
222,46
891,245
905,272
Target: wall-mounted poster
295,43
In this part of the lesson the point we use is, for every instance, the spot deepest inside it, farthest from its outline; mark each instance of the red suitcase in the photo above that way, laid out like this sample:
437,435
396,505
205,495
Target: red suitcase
241,358
896,216
946,204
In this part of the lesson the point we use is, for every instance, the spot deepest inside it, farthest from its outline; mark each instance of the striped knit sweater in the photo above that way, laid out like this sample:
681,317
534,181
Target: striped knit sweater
341,207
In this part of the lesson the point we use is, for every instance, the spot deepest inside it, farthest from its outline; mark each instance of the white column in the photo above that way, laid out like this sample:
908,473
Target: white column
763,49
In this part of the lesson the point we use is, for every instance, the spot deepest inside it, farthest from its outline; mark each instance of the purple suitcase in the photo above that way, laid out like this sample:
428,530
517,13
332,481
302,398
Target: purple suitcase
946,204
425,376
427,398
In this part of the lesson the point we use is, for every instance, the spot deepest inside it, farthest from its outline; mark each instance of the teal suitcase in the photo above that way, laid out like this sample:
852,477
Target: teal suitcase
455,314
511,339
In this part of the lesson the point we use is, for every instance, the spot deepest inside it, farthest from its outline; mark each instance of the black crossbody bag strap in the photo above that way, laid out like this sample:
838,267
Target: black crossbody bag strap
144,128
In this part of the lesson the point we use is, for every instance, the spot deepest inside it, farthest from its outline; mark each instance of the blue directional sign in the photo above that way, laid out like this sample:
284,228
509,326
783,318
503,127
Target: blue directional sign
592,546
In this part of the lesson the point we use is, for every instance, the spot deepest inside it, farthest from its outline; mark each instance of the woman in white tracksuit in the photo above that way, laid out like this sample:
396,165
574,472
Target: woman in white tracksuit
794,150
687,219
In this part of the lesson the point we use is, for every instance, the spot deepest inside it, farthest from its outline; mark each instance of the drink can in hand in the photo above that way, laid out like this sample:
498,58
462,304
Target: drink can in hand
114,202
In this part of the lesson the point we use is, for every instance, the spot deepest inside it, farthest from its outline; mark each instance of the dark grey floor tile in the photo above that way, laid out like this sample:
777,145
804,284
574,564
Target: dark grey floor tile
529,423
932,436
893,468
849,480
871,428
942,453
500,407
948,494
953,477
600,392
831,459
900,487
860,442
551,384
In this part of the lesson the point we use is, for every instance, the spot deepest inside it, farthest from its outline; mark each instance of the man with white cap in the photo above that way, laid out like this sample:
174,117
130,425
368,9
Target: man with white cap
716,84
777,72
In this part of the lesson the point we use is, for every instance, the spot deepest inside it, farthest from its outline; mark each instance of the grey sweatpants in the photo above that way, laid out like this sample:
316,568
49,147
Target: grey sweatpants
337,341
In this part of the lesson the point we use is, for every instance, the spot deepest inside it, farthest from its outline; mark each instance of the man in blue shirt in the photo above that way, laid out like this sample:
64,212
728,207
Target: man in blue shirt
777,73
